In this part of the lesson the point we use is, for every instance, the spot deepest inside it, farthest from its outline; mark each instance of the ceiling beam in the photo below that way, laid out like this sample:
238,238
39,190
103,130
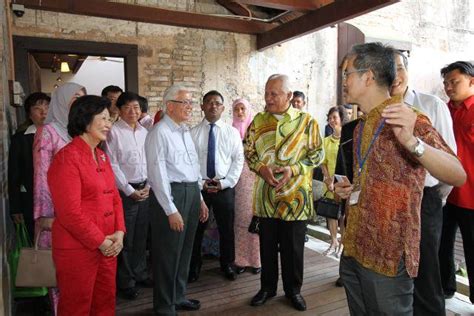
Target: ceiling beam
234,7
328,15
137,13
291,5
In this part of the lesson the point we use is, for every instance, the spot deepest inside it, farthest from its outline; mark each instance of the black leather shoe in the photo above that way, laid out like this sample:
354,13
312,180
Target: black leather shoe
239,270
147,283
188,305
298,302
229,273
261,297
339,282
130,293
256,270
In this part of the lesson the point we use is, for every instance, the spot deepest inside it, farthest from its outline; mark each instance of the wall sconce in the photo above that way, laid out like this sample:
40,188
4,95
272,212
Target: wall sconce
65,67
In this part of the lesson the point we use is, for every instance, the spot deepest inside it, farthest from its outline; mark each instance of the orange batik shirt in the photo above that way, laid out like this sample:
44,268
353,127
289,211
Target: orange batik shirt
384,226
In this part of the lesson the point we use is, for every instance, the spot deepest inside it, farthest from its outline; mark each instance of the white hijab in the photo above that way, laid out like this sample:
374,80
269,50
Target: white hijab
59,108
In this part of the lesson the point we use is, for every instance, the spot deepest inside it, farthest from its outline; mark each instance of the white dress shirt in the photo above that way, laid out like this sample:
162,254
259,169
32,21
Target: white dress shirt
438,113
171,157
229,151
126,149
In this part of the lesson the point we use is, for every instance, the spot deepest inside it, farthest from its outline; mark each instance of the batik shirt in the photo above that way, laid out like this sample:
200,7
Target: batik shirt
384,226
292,141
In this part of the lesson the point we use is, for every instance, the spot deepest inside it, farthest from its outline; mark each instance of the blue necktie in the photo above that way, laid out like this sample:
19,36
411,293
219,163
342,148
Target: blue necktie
211,153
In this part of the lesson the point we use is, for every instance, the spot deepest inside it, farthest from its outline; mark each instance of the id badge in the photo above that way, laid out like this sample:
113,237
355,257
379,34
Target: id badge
354,197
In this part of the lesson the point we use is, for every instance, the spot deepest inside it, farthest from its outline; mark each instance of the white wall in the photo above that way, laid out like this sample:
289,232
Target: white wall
94,74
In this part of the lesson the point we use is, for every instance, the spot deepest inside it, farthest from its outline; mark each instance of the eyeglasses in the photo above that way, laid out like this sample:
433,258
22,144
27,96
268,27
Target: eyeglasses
346,73
185,102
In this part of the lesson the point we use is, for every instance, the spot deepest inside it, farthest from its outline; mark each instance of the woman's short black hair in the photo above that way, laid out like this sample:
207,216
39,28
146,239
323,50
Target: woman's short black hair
34,98
82,113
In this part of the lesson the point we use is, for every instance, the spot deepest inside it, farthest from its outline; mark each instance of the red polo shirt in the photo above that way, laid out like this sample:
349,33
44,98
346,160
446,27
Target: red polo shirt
463,125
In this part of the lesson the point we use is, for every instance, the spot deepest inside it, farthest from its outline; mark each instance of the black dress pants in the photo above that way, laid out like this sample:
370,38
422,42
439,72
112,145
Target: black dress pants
289,236
132,267
454,216
428,295
222,205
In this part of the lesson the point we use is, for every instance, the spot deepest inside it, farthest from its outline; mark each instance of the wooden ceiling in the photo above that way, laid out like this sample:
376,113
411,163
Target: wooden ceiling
53,61
272,21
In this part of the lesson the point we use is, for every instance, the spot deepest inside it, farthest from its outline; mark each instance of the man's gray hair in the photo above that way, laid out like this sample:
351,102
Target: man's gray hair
172,92
284,79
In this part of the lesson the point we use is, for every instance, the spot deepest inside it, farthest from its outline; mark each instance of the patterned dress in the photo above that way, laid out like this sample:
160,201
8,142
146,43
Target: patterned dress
46,144
247,246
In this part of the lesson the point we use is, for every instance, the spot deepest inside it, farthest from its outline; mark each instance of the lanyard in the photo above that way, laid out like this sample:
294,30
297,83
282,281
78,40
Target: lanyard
361,161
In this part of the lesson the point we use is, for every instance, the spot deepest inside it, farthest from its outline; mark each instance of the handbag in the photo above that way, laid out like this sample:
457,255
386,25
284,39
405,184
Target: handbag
327,207
254,225
22,240
36,267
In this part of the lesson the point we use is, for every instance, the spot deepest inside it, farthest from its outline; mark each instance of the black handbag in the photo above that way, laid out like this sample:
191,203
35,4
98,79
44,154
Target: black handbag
254,225
327,207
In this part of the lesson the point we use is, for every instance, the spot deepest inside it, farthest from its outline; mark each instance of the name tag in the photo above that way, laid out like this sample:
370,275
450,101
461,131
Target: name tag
354,197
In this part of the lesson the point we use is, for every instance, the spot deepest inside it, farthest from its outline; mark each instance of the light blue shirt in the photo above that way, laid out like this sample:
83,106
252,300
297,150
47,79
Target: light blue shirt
171,157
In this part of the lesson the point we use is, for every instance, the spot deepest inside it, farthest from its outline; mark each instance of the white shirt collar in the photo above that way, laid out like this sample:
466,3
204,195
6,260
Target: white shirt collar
31,129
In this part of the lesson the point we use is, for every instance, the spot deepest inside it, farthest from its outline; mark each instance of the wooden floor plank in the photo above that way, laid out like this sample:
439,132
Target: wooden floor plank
222,297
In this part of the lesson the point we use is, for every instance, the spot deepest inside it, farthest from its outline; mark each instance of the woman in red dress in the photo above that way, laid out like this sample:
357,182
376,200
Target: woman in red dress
88,231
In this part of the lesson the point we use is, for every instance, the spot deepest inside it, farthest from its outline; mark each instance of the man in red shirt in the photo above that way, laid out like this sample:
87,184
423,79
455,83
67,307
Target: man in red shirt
459,210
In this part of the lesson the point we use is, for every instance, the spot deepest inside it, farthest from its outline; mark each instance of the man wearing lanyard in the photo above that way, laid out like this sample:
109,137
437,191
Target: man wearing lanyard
393,144
125,147
459,210
221,157
176,204
428,298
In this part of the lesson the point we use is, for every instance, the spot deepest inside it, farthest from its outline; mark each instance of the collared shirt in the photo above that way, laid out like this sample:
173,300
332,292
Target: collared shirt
171,157
438,113
463,122
384,225
126,149
297,144
229,151
31,129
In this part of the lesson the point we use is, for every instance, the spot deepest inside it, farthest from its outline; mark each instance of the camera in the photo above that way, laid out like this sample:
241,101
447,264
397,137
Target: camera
18,9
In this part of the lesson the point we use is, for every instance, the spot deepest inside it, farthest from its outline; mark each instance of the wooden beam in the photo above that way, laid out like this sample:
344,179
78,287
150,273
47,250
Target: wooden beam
291,5
129,12
331,14
234,7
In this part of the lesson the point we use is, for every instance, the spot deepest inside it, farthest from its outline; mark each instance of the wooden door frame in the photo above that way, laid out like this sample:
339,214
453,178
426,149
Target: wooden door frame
22,45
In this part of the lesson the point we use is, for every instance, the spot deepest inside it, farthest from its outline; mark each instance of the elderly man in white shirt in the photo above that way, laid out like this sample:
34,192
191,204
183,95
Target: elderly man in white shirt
428,294
126,148
176,203
221,159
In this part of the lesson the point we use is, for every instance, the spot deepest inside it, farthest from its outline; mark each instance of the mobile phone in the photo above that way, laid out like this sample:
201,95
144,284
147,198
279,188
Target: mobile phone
340,178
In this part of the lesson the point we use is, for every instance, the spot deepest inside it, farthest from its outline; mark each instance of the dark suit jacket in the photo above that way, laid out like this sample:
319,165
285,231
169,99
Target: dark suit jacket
20,177
345,154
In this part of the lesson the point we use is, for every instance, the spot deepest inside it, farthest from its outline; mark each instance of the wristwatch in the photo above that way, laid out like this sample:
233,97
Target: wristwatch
419,148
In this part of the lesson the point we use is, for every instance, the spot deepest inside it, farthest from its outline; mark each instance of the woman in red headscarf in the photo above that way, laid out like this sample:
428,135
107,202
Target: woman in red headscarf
247,246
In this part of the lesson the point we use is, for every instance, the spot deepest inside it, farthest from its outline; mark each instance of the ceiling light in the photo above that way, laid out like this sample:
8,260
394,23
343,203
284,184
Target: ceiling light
65,67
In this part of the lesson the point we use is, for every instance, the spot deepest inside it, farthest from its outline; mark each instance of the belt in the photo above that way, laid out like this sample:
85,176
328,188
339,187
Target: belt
138,186
185,184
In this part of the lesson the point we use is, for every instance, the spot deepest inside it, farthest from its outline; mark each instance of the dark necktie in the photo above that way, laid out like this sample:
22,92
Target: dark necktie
211,153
